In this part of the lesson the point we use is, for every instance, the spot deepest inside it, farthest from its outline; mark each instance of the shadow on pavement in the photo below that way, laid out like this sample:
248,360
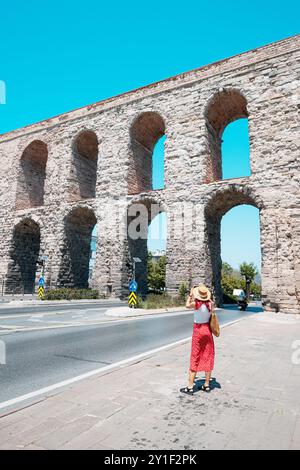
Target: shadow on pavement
213,384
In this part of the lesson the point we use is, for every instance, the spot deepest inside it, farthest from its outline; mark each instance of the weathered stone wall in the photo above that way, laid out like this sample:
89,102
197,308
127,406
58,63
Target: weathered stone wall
262,85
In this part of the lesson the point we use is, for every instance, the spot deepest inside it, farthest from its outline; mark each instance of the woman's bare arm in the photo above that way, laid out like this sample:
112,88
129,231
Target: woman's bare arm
190,303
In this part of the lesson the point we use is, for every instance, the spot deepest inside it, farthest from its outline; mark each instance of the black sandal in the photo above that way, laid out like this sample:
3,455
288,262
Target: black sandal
205,388
187,390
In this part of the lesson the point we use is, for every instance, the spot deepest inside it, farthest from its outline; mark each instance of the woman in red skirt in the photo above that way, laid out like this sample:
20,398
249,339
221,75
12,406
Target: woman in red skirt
203,350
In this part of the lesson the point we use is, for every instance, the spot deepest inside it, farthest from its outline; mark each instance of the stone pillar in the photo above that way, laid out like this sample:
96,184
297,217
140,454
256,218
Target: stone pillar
290,272
189,244
280,260
269,261
111,270
52,242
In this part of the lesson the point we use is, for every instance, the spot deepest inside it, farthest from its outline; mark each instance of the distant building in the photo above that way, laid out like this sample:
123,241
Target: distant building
157,254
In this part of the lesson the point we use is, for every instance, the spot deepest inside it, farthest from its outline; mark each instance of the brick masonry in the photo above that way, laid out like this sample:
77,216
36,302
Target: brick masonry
60,175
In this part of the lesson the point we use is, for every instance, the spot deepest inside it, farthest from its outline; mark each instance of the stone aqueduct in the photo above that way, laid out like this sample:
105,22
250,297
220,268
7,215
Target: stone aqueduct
62,175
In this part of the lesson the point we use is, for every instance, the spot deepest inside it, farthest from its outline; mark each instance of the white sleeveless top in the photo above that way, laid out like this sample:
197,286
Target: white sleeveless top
202,315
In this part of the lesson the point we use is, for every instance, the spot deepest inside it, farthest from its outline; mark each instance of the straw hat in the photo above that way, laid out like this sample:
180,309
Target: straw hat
201,293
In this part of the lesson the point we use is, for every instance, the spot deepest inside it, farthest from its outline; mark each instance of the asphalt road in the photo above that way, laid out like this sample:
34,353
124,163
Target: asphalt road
38,308
36,359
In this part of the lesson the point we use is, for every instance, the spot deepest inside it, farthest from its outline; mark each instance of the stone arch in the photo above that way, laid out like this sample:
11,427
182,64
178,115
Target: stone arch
216,206
140,213
24,253
145,131
75,252
31,176
83,173
225,106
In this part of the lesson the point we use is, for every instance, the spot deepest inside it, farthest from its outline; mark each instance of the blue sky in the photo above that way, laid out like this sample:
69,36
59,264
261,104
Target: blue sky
59,55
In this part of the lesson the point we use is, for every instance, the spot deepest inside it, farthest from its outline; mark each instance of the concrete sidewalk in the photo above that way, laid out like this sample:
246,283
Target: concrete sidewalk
254,403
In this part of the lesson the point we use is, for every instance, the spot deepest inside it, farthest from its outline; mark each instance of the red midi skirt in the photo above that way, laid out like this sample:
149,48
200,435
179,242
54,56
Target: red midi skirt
203,348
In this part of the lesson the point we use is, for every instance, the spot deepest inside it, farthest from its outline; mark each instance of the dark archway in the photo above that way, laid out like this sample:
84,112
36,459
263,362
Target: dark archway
75,256
145,132
31,177
24,254
225,107
140,215
215,209
83,175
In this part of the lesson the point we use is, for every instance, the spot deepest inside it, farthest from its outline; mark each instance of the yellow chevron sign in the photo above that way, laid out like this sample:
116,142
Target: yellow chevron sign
132,298
40,292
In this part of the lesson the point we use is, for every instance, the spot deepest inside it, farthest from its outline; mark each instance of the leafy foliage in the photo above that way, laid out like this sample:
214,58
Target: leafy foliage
156,273
71,294
183,290
233,279
163,300
248,270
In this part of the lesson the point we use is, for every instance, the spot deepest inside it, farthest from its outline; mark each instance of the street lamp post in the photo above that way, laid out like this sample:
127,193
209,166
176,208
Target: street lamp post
135,260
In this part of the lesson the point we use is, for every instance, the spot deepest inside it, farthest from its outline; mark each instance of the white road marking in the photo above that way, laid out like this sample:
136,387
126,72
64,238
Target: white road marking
13,329
55,312
119,364
10,327
64,383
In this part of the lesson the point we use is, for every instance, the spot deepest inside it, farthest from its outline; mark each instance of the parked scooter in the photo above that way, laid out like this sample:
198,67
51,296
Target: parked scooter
241,299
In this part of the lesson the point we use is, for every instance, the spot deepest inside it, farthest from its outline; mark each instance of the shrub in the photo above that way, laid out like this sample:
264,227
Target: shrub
163,300
156,273
229,299
183,290
71,294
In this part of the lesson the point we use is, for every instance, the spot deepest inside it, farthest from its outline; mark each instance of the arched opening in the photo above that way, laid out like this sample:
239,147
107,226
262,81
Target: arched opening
156,245
76,251
83,175
240,245
226,107
145,133
236,150
158,164
218,206
31,177
93,249
24,254
139,218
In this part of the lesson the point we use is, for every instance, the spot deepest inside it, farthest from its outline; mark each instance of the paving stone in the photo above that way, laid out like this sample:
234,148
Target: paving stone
65,433
22,437
87,439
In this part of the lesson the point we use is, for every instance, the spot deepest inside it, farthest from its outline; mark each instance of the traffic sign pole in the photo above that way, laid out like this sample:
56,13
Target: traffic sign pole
132,299
40,292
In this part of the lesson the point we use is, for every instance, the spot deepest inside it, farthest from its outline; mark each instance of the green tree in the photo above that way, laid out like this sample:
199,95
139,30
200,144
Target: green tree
156,273
230,280
227,270
249,271
183,290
